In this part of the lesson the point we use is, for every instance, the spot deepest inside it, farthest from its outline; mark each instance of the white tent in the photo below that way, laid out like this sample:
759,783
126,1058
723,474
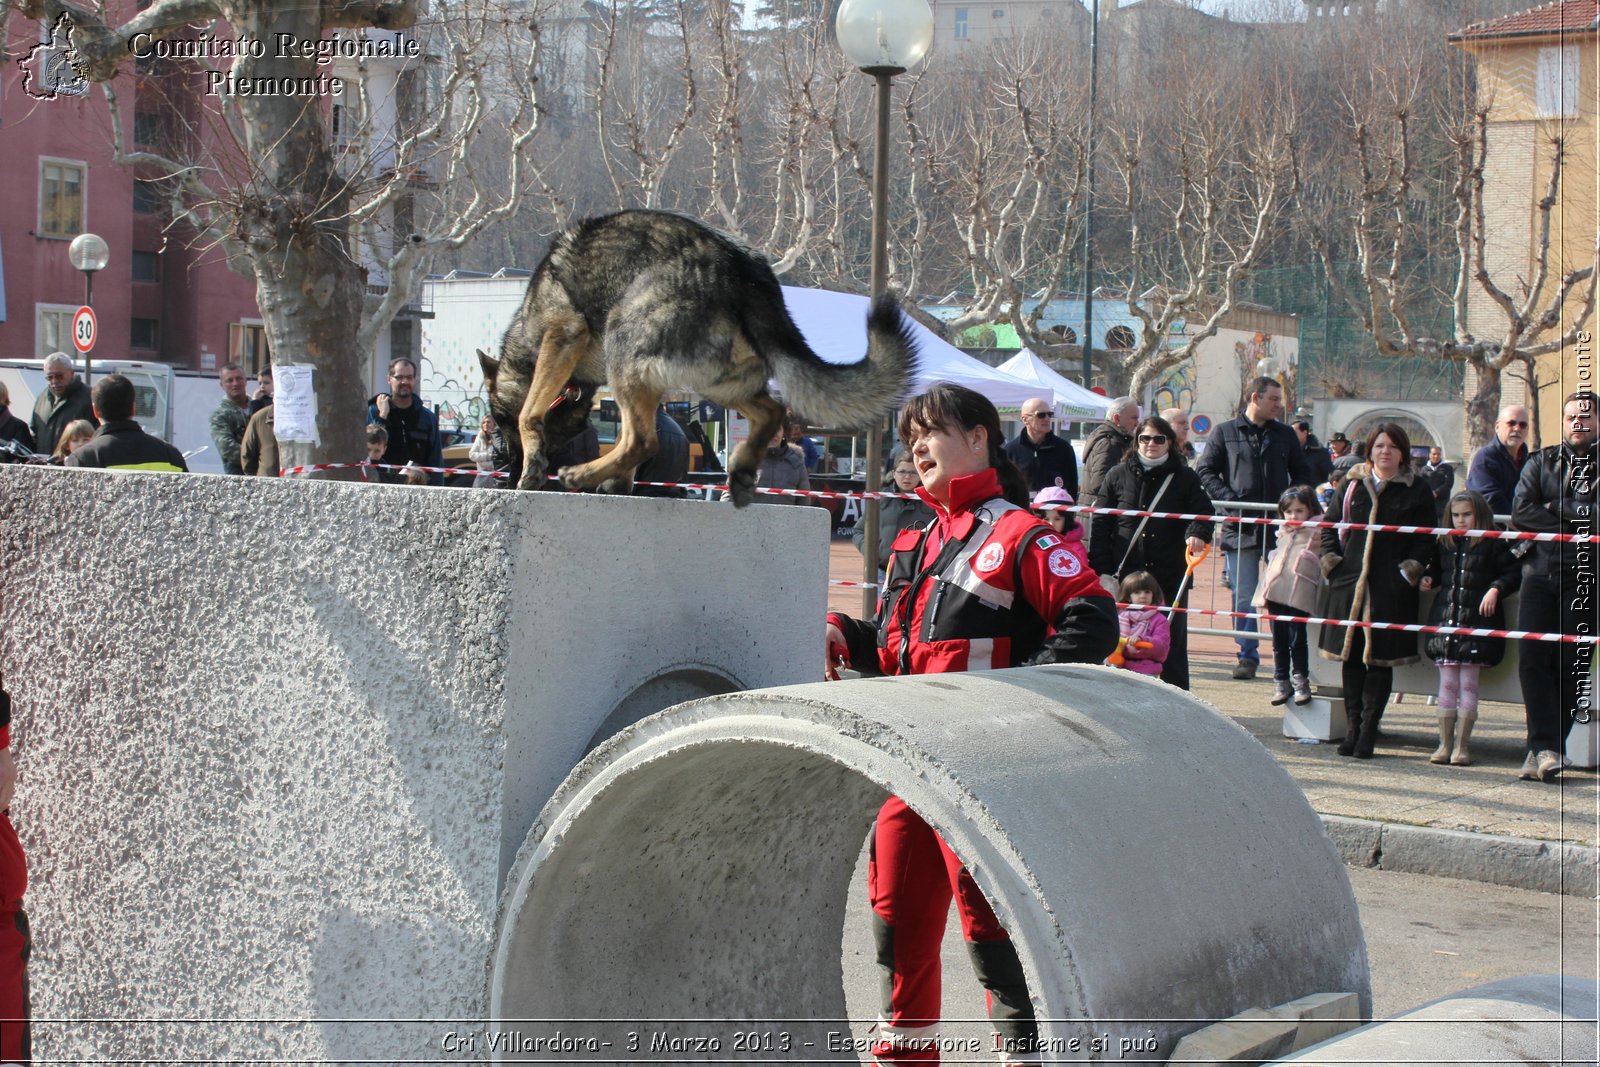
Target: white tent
835,326
1071,399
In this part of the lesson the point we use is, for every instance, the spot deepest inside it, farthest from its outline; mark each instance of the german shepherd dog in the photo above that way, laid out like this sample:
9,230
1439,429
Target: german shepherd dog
650,301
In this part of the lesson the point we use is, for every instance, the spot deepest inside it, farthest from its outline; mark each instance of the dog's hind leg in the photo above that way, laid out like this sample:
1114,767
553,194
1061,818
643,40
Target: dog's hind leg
565,342
766,418
636,442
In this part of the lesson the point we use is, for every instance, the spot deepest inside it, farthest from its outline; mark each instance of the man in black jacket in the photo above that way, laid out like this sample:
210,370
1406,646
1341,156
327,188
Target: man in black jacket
66,400
1441,478
1252,458
121,443
1556,494
1318,459
1045,459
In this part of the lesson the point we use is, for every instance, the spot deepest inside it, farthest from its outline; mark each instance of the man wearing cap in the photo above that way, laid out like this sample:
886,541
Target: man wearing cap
1045,459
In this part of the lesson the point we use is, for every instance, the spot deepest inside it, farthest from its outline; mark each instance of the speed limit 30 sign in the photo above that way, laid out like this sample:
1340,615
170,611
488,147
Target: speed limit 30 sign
83,329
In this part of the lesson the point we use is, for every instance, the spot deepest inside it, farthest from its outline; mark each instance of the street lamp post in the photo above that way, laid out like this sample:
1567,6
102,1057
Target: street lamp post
883,38
88,253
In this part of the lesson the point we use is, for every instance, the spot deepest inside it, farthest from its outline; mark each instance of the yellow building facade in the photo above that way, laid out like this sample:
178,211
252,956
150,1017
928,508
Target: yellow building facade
1537,74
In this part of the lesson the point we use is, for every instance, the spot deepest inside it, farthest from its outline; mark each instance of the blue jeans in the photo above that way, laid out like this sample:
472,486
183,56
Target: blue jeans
1245,565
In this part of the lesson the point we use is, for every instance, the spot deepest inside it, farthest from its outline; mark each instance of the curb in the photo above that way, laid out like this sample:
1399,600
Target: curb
1518,862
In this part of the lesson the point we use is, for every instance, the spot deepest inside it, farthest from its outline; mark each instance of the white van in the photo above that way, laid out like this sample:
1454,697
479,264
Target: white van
152,388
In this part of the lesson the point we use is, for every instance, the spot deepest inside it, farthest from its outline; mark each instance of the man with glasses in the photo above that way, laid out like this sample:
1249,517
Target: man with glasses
1254,457
66,400
1046,460
413,429
1497,465
1557,494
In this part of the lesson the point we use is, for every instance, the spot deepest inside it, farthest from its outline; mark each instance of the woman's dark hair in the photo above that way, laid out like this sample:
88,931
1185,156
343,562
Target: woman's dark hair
1397,434
1303,493
1141,581
1482,513
1152,422
947,406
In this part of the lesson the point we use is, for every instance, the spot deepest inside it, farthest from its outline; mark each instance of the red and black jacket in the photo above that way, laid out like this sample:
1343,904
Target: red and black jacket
985,585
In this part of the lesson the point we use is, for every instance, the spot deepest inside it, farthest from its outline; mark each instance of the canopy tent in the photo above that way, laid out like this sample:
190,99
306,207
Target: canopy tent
1071,398
835,326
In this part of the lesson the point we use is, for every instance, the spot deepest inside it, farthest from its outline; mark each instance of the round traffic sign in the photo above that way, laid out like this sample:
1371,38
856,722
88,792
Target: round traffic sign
83,329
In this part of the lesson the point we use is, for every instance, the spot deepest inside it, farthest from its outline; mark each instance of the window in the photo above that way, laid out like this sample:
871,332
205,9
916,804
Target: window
1119,338
144,333
146,267
961,24
60,199
53,329
999,13
247,346
1556,88
146,128
146,198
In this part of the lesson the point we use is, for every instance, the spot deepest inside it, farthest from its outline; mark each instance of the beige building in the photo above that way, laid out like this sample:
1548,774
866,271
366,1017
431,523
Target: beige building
1537,72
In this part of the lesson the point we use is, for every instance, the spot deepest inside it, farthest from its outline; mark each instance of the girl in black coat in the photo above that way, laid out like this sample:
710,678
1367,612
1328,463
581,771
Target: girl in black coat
1474,575
1118,546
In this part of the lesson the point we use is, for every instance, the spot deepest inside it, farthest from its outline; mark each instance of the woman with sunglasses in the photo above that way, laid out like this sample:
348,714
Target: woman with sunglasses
1153,477
896,514
987,585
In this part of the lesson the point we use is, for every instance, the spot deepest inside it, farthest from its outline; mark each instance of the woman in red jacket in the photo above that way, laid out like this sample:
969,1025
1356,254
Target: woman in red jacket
985,585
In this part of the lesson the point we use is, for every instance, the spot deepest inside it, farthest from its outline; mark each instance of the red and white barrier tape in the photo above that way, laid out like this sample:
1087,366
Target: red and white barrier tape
1403,627
1083,509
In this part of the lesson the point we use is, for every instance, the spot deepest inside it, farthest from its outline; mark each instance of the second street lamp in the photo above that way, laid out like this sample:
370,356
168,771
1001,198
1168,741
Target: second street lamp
883,38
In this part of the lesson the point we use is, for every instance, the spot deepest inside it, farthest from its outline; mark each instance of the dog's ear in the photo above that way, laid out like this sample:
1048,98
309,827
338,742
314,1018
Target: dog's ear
491,367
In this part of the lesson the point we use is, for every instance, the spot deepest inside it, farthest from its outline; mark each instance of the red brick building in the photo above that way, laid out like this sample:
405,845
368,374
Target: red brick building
164,295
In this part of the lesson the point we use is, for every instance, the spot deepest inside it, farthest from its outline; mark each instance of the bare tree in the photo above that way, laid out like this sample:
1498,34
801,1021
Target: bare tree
1383,153
1006,152
308,217
1211,170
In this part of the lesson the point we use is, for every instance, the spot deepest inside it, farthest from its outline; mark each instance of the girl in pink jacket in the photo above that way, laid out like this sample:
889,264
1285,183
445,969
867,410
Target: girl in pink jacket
1289,586
1146,634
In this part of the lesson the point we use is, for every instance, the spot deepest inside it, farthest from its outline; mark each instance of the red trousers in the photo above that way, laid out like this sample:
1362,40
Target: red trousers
15,945
912,877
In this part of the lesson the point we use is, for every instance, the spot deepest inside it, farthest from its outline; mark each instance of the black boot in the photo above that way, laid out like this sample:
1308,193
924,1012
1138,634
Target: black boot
1375,695
1352,715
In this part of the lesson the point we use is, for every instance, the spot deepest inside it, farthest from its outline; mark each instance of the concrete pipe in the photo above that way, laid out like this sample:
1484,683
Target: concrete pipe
1547,1018
1155,866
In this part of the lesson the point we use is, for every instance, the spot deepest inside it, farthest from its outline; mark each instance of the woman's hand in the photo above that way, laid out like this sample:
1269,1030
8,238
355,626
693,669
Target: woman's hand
837,653
1196,545
1426,583
1490,603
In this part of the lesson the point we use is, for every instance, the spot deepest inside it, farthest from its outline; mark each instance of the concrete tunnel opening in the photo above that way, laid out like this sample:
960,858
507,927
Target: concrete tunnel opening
712,888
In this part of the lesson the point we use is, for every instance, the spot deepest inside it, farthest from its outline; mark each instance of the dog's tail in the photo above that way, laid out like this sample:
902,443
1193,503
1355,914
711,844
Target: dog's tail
843,395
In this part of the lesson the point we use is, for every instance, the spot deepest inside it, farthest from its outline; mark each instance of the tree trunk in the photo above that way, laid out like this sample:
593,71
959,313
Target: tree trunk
1483,407
292,219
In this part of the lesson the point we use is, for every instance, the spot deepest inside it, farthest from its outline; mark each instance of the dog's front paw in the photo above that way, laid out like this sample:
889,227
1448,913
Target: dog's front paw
742,488
572,477
621,486
533,471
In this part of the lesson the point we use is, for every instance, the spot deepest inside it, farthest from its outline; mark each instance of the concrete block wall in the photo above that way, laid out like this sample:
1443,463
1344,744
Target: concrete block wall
280,740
